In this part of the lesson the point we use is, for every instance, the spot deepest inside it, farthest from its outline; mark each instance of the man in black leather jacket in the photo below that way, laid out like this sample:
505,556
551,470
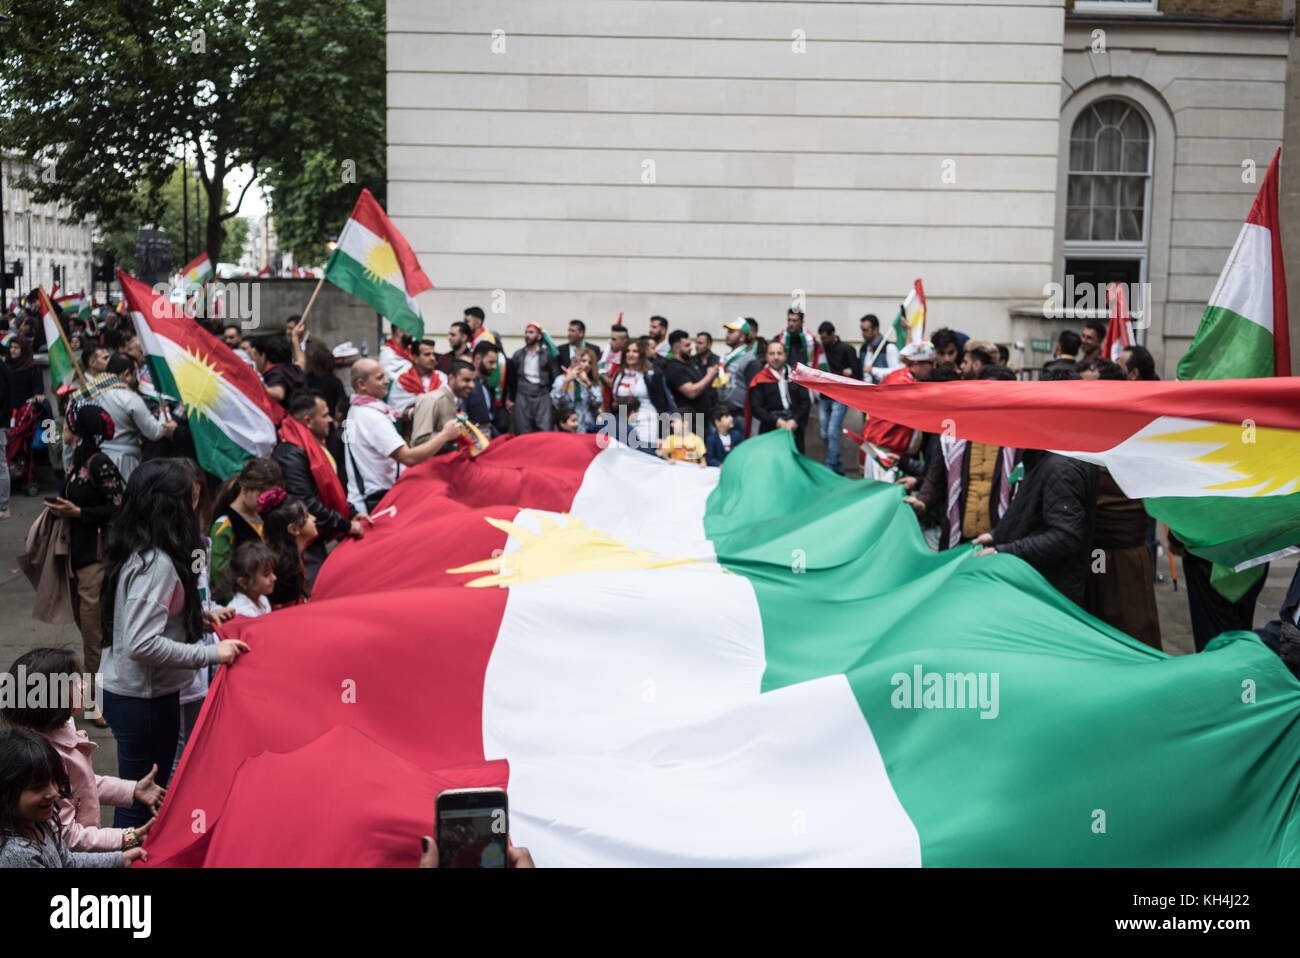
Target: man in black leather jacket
313,412
1049,522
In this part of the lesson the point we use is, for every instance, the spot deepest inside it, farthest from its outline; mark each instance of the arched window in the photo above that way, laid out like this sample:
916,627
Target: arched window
1109,175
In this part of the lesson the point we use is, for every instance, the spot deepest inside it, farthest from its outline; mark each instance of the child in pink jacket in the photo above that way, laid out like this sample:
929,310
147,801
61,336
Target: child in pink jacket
54,694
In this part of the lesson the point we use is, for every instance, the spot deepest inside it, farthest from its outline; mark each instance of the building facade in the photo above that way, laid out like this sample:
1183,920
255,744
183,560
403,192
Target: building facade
52,246
702,160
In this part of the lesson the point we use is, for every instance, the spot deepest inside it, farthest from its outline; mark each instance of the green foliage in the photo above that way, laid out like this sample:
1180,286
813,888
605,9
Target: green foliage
114,90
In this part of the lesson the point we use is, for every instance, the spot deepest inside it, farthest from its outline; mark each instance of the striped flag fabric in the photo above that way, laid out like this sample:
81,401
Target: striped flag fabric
909,325
197,272
759,728
373,262
1119,331
1243,331
230,414
1178,445
56,343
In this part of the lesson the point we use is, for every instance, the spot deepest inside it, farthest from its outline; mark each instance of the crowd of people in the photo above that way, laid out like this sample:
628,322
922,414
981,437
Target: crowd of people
136,509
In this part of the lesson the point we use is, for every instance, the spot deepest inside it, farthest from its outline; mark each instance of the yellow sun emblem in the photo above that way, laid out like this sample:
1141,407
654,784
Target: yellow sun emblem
381,262
1266,457
198,382
560,550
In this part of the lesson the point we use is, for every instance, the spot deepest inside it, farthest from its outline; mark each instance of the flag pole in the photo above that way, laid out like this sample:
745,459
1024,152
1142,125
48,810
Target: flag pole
319,284
63,337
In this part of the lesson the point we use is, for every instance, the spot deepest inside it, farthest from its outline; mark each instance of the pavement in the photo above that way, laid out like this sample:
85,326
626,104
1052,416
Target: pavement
19,632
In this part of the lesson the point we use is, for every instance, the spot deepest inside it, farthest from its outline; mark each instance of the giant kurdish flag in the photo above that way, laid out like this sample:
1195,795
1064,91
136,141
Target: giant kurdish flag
768,667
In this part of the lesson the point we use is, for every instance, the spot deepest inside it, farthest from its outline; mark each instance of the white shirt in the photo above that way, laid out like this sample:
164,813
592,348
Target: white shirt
371,441
392,363
399,398
245,606
532,370
783,384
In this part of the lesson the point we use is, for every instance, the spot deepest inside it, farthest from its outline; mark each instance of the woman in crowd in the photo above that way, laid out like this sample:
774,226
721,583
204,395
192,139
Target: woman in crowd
637,380
288,529
92,496
577,389
153,620
25,379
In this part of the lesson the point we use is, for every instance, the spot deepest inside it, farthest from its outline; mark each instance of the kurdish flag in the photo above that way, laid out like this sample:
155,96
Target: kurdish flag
1119,332
197,271
374,262
56,343
1243,332
886,727
1219,461
230,415
909,324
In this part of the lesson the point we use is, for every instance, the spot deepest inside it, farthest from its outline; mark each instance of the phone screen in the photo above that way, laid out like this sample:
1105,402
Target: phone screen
472,829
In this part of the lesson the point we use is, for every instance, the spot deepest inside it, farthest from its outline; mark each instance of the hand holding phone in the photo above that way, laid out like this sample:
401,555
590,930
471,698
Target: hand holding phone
472,828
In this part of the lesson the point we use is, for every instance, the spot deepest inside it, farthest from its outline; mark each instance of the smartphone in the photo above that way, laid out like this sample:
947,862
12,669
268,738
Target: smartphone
473,827
52,500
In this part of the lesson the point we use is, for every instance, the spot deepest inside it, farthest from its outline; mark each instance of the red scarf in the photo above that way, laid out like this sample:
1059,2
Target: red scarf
328,488
764,375
396,346
414,385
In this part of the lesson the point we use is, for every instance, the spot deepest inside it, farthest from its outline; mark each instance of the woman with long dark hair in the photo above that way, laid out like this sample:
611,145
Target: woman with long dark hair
153,619
289,528
92,495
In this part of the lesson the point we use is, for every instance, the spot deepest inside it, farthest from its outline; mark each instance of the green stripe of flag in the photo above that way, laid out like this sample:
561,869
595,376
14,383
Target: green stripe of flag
1228,346
388,300
1100,751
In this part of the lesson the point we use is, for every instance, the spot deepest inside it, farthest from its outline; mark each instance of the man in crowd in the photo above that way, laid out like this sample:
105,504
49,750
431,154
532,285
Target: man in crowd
979,353
1064,353
458,337
133,424
230,335
690,381
947,348
884,442
878,357
311,475
704,349
659,336
375,450
420,376
479,332
577,342
1049,523
94,360
273,358
1098,368
774,401
486,405
843,361
612,358
535,370
1090,339
738,366
131,346
798,342
1138,363
434,410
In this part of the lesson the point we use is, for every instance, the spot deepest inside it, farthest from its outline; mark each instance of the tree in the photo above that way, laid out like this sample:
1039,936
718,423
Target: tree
110,93
167,210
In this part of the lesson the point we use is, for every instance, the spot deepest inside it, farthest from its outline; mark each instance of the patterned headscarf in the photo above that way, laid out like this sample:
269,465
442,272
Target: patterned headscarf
92,425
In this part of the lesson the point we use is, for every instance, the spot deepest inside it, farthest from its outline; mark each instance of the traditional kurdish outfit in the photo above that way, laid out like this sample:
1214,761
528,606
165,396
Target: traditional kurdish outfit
410,386
394,357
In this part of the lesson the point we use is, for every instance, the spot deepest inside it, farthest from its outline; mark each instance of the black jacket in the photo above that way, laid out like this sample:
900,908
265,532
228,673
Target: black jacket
1049,522
299,483
765,405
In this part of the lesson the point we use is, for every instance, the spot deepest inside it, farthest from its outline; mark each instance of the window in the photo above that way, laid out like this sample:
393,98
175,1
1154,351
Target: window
1109,175
1116,6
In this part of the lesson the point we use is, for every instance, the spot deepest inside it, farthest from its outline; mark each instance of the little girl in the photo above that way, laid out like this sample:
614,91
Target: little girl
33,787
79,817
250,576
288,529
